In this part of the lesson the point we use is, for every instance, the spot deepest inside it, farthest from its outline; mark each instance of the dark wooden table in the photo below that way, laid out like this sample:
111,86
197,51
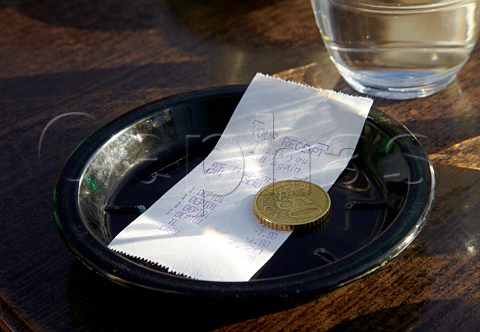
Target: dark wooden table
69,67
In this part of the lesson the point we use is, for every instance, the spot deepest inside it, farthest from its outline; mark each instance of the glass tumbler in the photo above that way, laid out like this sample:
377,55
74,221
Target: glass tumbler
398,49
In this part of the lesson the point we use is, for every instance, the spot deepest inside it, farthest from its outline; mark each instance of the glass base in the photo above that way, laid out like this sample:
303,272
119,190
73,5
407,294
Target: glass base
398,85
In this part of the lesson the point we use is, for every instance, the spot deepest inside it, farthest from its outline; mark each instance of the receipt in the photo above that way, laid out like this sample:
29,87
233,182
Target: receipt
204,226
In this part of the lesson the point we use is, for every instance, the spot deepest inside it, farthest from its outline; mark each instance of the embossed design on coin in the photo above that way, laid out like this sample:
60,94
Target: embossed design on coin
292,204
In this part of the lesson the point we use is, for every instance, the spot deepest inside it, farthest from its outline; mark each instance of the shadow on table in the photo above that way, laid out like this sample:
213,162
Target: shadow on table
251,23
98,15
436,315
98,304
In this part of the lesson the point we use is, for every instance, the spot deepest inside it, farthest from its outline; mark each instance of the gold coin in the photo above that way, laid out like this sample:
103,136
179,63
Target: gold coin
292,204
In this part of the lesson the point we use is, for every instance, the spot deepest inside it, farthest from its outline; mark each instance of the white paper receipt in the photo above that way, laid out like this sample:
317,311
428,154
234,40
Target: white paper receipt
204,227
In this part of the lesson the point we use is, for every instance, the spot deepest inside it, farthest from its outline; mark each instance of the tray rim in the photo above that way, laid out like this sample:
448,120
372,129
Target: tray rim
98,257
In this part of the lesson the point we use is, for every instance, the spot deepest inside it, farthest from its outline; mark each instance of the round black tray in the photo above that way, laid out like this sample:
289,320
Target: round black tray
379,203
